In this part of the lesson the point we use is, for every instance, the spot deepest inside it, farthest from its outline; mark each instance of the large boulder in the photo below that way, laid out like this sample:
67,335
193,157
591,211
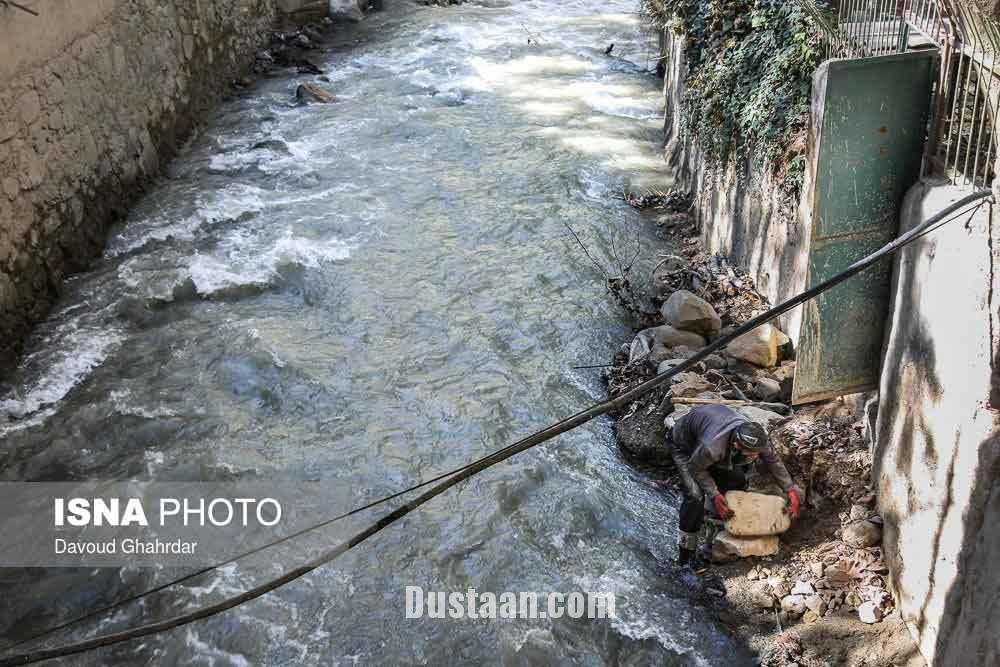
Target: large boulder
756,514
688,312
727,546
758,347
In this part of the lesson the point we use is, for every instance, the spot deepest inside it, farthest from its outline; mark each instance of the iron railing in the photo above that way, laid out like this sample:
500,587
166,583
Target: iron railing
962,141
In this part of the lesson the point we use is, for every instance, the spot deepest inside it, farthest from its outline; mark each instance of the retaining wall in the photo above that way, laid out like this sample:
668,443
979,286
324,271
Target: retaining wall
937,452
94,95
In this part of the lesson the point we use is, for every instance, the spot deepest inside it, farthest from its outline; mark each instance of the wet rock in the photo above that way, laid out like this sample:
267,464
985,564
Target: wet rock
793,605
869,613
688,312
669,336
727,546
767,390
308,92
758,347
349,10
756,514
863,534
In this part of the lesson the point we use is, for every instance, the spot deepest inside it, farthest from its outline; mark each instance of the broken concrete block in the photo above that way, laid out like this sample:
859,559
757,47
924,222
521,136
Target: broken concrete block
756,514
758,347
728,547
688,312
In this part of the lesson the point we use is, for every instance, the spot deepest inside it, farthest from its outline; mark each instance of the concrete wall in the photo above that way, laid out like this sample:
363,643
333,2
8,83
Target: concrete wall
743,210
94,95
937,456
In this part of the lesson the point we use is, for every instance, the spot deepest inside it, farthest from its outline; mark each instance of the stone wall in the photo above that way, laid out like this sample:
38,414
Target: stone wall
937,456
743,211
94,95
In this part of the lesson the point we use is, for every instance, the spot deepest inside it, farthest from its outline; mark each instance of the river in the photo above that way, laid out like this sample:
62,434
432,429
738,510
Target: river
364,293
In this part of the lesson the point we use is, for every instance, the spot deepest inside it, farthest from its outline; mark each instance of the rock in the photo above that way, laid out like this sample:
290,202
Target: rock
688,312
793,605
852,599
665,366
863,534
767,390
760,597
803,588
859,512
756,514
816,604
668,336
302,41
658,354
759,415
869,613
308,92
728,547
640,346
780,590
346,9
714,361
816,569
689,384
758,347
784,375
810,616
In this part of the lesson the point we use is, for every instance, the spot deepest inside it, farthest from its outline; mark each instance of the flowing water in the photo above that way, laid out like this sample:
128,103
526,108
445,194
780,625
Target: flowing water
364,293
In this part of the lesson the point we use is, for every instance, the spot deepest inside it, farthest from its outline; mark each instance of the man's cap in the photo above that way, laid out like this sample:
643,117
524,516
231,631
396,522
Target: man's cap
751,436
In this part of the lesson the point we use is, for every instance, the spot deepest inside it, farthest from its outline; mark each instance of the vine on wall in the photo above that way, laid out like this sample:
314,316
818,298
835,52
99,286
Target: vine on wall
750,66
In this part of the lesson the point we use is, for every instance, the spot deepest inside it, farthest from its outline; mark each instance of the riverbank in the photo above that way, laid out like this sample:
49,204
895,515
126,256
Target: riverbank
822,598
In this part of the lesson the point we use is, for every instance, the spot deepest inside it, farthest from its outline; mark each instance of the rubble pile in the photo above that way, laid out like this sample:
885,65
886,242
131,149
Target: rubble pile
836,566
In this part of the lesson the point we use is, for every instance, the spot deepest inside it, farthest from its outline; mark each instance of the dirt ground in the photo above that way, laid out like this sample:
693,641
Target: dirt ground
831,556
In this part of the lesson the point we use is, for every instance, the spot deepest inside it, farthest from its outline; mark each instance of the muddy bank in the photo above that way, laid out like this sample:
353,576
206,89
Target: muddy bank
822,599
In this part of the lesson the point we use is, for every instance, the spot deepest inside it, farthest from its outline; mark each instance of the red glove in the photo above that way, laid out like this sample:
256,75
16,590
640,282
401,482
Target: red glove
721,507
793,503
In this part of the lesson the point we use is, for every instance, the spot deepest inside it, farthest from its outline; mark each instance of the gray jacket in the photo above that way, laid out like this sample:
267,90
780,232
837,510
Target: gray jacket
701,440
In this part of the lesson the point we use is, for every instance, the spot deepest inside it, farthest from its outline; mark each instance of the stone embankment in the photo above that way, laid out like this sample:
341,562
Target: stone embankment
94,96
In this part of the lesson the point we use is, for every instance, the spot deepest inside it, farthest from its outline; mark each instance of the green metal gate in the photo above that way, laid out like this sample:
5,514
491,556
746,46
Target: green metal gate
872,130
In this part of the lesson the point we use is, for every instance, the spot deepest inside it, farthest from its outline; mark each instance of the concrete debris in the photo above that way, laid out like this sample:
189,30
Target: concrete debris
687,312
756,514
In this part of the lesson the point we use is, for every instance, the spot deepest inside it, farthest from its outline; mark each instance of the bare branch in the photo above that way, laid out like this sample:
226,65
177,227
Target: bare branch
587,252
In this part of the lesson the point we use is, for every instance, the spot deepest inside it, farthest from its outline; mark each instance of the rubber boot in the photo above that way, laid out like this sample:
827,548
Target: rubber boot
687,548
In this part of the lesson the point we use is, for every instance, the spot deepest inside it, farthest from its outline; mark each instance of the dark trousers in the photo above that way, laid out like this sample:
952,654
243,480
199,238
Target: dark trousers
692,513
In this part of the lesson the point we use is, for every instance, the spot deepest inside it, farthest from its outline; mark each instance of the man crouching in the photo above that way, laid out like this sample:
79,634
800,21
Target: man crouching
714,448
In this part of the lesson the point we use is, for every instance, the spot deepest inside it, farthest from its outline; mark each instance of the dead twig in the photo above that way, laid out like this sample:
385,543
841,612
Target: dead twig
576,236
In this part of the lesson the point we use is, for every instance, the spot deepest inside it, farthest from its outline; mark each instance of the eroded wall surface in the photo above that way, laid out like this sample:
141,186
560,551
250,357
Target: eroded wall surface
937,456
94,95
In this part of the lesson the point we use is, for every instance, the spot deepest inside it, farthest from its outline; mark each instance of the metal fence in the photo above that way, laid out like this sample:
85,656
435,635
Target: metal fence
962,142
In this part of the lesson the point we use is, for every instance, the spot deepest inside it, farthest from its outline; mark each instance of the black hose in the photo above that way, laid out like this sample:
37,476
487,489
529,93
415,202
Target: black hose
499,456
